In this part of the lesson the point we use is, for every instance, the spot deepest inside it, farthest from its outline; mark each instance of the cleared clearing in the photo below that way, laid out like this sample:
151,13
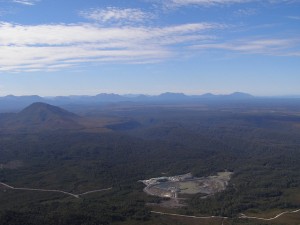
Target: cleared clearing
186,184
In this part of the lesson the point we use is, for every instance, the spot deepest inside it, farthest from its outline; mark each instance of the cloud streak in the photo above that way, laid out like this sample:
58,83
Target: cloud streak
180,3
116,15
50,47
26,2
294,17
40,47
274,47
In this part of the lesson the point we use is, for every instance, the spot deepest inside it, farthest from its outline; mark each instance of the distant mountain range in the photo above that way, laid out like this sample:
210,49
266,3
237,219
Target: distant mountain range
41,115
168,96
13,103
10,102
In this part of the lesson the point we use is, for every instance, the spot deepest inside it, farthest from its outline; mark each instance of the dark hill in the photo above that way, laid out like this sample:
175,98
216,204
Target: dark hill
39,116
41,112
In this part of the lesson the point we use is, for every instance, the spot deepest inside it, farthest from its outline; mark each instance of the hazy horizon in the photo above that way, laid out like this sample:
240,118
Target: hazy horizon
132,95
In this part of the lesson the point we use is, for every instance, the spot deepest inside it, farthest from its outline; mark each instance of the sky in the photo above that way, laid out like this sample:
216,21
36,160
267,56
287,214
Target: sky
87,47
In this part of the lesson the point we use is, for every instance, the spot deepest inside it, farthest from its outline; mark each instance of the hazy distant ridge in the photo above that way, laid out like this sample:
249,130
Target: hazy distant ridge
11,102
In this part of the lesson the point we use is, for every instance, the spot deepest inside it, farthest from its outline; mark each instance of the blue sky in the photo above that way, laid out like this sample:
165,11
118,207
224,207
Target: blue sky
67,47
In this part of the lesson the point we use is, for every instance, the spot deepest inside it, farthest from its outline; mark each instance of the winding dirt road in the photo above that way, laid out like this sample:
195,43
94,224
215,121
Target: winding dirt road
196,217
89,192
243,216
57,191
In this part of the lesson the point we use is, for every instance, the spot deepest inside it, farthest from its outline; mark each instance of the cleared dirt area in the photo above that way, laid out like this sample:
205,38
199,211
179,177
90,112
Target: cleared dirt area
186,184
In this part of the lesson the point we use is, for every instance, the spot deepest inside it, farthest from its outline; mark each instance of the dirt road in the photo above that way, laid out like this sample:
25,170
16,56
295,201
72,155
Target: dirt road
243,216
57,191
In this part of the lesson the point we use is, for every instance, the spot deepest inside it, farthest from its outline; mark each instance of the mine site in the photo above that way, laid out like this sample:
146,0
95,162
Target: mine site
172,187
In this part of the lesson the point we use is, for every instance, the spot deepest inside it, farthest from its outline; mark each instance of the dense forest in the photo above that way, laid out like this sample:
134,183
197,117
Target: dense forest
261,148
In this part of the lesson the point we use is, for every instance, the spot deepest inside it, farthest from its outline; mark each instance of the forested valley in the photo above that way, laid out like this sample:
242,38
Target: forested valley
261,148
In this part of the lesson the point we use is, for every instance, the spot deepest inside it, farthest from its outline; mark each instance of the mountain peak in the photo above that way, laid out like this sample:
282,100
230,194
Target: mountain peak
40,115
40,108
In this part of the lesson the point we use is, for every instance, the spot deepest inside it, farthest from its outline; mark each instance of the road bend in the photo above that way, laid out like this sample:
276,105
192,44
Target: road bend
56,191
243,216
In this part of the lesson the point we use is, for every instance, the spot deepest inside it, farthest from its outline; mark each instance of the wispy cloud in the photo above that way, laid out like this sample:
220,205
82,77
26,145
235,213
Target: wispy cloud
26,2
58,46
246,12
179,3
117,15
275,47
294,17
41,47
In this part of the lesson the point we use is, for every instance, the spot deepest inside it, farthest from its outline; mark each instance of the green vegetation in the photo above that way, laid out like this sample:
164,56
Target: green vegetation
261,148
